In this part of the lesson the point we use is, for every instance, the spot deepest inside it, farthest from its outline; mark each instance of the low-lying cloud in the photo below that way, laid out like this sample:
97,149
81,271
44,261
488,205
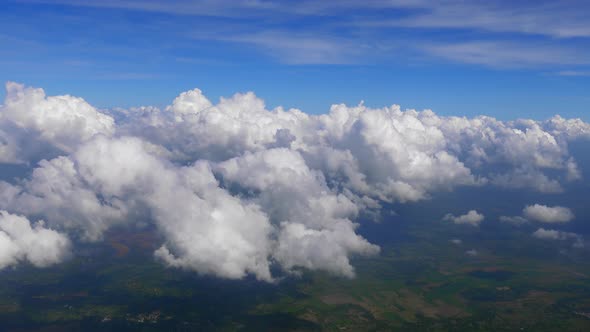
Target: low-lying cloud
548,214
236,189
551,234
22,242
472,218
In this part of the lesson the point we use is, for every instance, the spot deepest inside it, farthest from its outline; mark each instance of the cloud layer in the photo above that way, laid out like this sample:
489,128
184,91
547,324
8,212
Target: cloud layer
236,189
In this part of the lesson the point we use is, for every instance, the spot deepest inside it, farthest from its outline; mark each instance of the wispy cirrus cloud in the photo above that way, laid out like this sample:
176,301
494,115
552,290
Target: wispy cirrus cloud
507,54
223,8
579,73
297,49
498,34
562,19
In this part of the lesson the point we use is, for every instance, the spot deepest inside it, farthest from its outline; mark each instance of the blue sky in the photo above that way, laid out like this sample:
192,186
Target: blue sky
530,59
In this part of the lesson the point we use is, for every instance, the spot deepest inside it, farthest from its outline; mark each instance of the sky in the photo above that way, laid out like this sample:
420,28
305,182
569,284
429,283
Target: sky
134,114
525,59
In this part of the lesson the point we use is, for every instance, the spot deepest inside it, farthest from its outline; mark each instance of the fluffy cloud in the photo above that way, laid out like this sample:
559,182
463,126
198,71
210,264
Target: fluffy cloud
59,119
540,213
207,229
550,234
19,241
472,218
235,188
386,154
548,214
189,102
62,195
316,230
192,128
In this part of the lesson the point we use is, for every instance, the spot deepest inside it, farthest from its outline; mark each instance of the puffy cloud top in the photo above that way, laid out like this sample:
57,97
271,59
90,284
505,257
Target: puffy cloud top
472,218
237,189
547,214
60,119
21,242
190,102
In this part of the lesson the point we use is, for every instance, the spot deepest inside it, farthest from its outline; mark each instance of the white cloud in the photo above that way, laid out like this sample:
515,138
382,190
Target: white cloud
548,214
57,191
189,102
386,153
206,229
550,234
316,228
568,128
471,253
62,120
456,241
325,249
38,245
235,189
472,218
191,129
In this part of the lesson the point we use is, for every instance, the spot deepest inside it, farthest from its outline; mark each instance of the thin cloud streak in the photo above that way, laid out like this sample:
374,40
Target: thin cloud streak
347,32
554,19
506,54
539,19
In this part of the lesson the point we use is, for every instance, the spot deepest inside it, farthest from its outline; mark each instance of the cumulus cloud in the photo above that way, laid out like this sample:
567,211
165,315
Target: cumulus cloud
106,180
472,218
36,244
313,219
550,234
540,213
30,120
206,228
386,154
61,194
236,189
60,119
527,178
548,214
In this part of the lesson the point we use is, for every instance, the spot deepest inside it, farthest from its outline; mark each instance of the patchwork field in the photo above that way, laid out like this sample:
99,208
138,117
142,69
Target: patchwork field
421,283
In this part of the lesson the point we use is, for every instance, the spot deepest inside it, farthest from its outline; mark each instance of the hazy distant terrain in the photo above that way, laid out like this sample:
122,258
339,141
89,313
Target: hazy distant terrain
423,280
